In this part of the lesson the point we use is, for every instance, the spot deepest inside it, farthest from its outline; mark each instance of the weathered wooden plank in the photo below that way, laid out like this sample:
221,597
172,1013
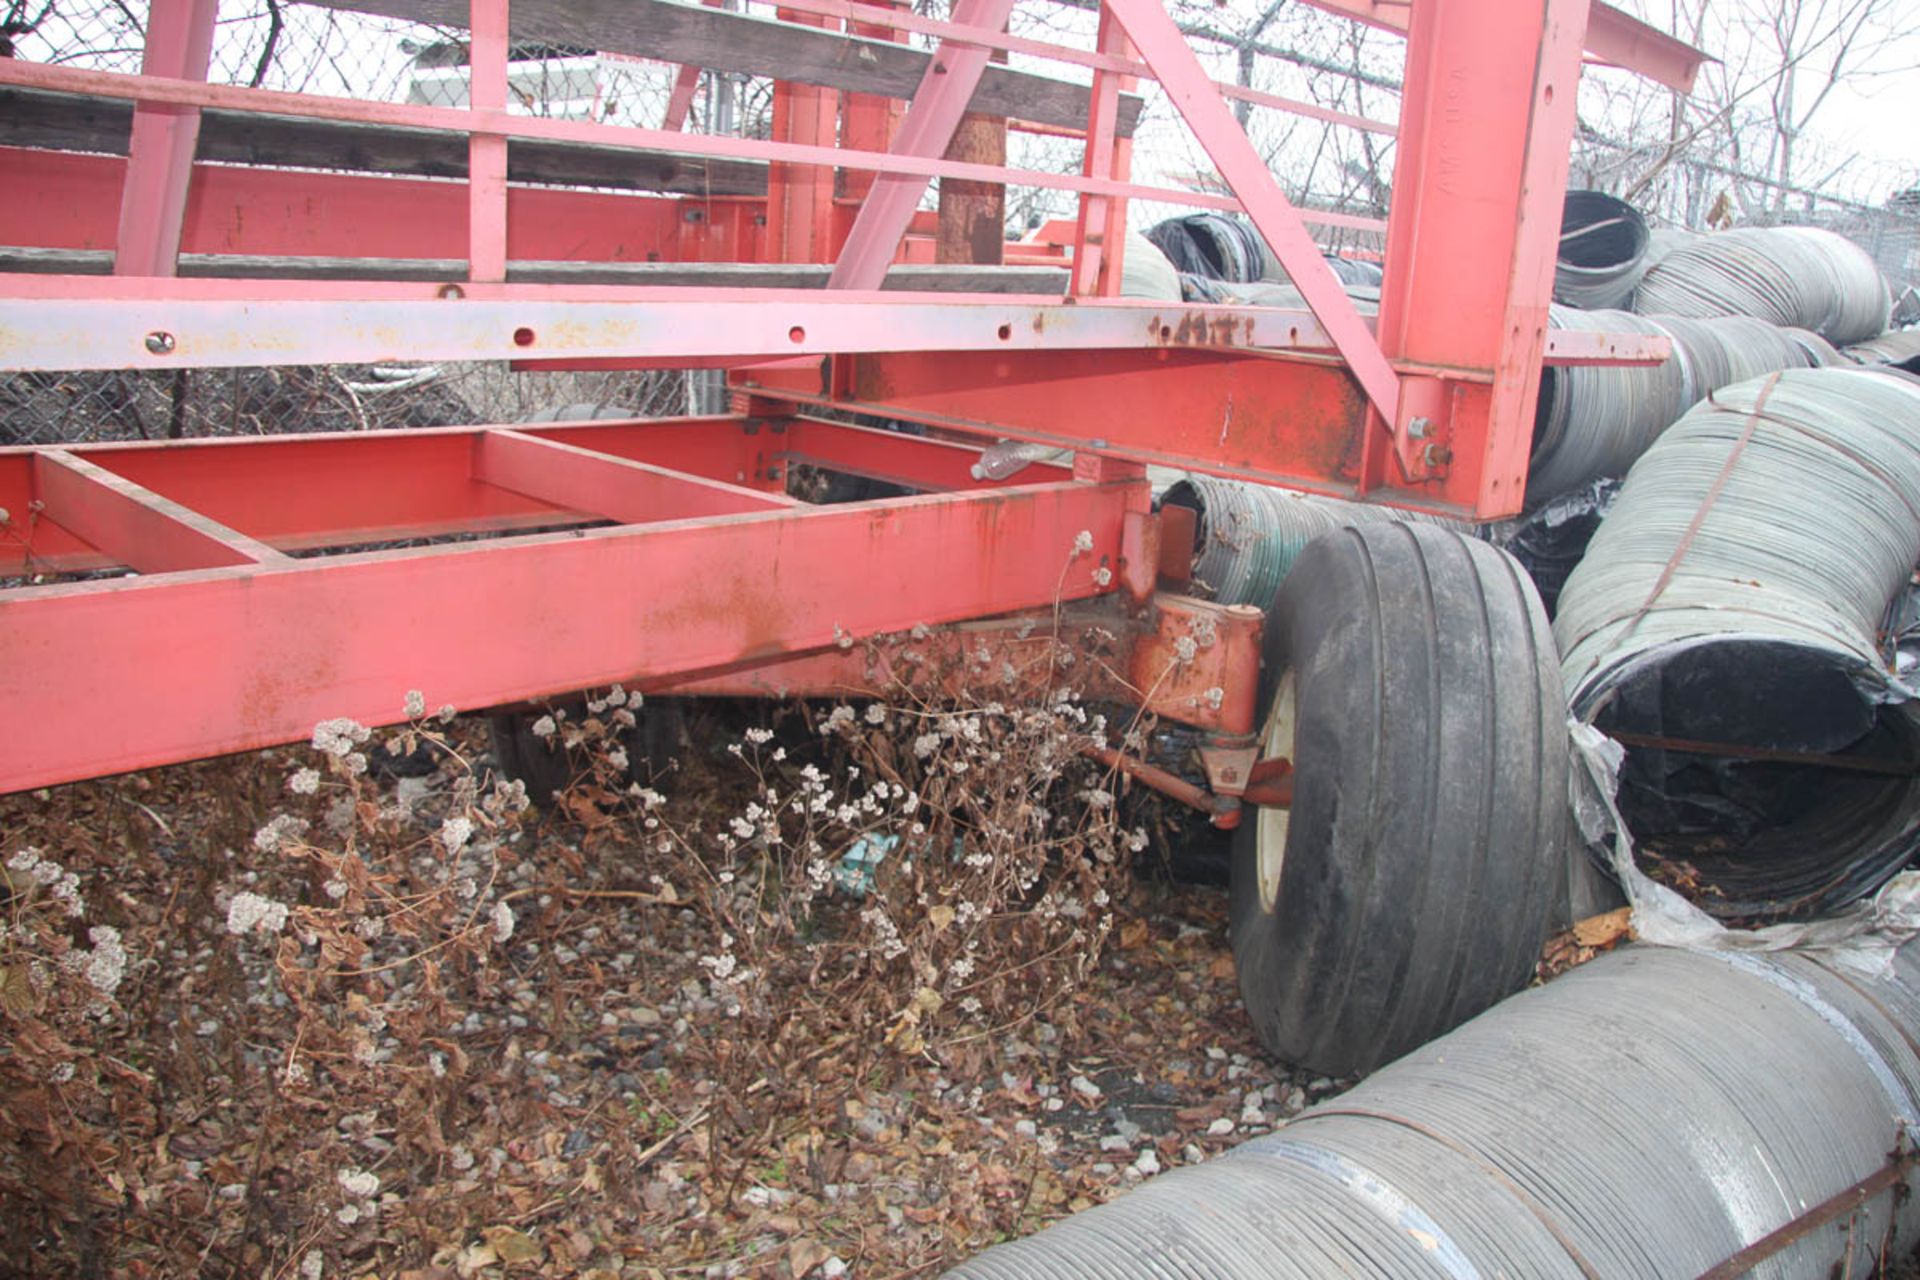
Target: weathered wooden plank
68,122
713,275
724,41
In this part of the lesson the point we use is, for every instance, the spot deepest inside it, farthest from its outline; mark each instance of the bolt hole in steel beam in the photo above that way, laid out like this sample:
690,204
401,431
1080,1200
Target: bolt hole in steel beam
523,337
797,334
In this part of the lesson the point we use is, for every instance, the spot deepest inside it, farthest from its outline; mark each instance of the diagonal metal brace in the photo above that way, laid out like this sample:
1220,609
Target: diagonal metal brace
945,90
1166,53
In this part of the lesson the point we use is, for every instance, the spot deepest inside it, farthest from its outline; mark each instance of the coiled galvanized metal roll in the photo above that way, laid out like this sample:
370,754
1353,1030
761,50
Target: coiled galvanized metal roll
1603,246
1901,347
1802,276
1145,272
1819,352
1247,536
1593,421
1725,626
1647,1115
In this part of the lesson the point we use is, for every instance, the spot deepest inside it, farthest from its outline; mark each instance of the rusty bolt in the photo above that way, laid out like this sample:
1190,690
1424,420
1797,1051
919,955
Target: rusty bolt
160,343
1417,428
1437,455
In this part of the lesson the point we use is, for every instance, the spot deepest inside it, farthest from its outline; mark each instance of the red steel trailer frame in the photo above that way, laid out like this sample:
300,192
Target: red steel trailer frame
667,554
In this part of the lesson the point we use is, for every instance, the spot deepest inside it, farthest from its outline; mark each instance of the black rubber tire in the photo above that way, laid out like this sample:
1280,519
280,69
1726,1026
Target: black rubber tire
1425,847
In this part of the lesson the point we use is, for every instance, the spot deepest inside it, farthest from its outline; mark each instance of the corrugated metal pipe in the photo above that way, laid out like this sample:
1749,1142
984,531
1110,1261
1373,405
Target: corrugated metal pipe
1603,247
1651,1114
1806,277
1247,536
1594,420
1725,627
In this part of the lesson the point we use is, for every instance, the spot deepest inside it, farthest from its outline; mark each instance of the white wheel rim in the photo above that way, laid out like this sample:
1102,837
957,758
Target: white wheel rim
1270,824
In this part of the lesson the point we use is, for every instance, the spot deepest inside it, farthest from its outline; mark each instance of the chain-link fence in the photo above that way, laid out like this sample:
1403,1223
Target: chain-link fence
92,407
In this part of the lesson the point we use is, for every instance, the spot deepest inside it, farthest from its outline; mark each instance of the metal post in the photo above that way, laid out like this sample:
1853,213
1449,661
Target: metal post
800,196
487,153
1099,236
1471,241
153,194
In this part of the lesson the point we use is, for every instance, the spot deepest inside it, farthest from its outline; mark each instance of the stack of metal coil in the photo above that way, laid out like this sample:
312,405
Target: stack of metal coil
1901,347
1593,421
1806,277
1215,246
1603,247
1651,1114
1725,626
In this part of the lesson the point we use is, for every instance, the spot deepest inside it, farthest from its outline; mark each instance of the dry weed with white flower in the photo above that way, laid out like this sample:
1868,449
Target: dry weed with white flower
361,1008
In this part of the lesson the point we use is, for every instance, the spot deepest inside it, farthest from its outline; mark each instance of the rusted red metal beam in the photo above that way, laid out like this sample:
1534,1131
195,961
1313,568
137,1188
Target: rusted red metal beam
1117,655
620,489
1611,35
80,322
1224,811
932,465
1099,234
487,151
1290,422
133,525
69,200
259,654
465,121
296,493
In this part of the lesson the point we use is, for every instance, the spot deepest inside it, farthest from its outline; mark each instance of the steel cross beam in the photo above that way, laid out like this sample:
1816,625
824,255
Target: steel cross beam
259,646
459,120
928,129
224,323
1613,36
